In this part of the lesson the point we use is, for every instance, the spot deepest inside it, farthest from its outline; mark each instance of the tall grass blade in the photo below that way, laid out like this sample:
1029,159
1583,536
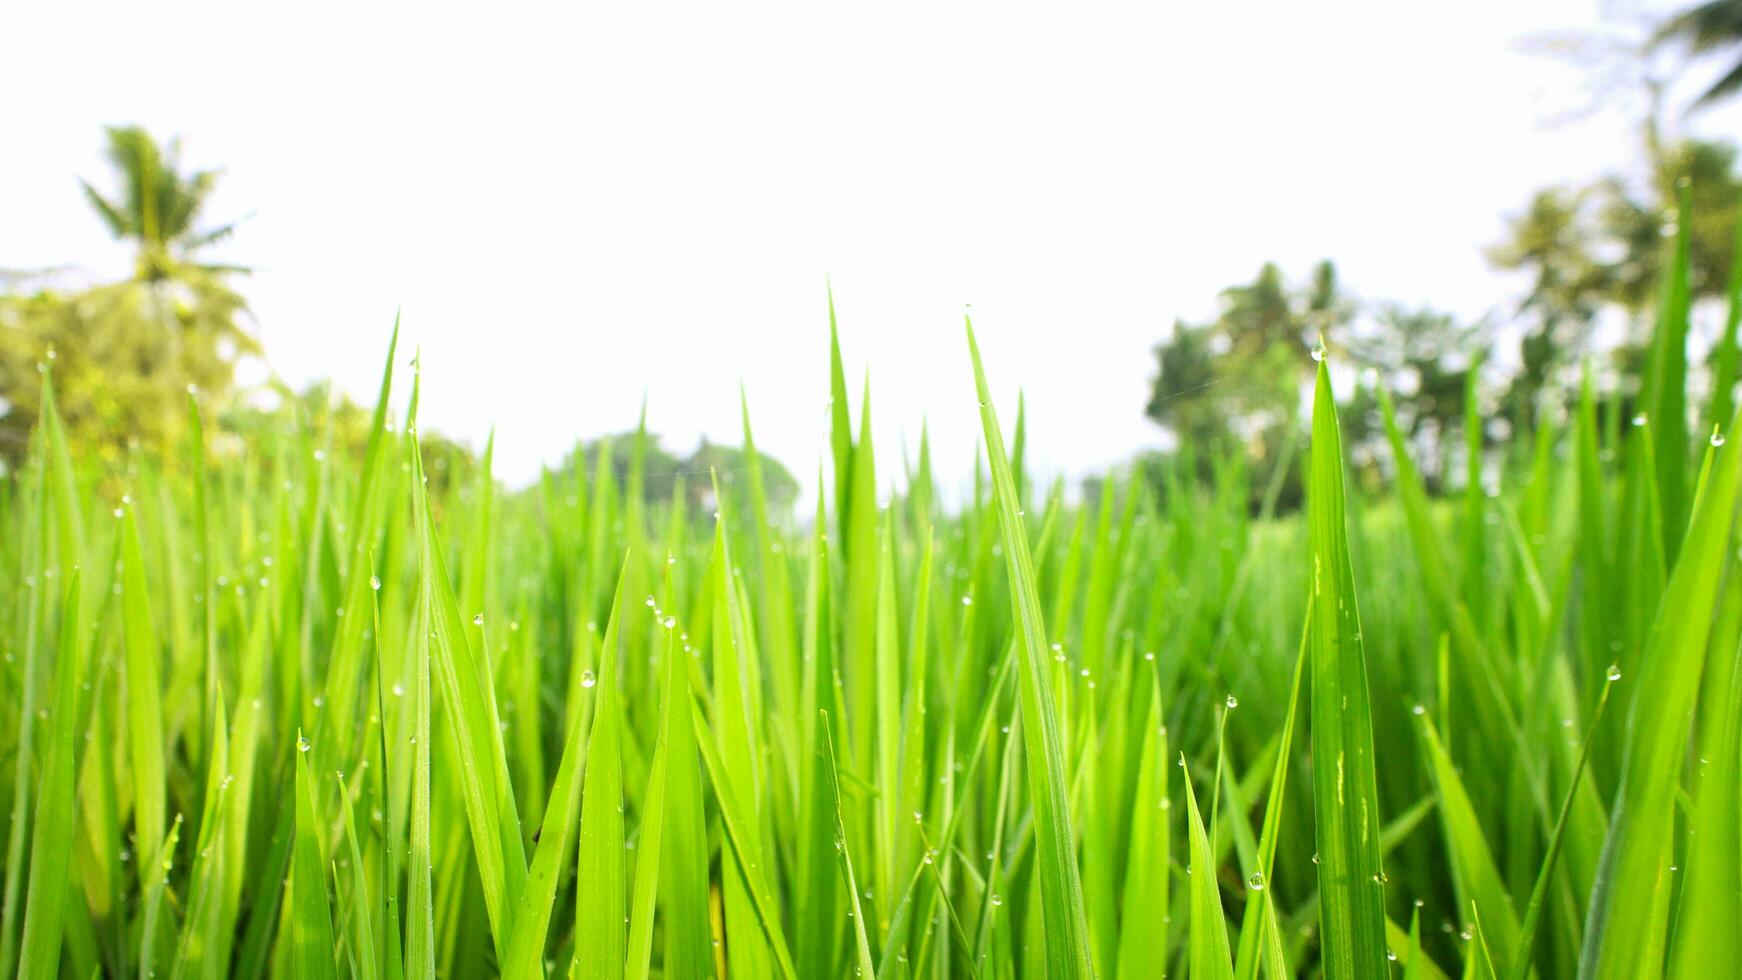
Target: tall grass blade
1345,793
52,829
600,917
1209,955
311,920
1061,890
1658,723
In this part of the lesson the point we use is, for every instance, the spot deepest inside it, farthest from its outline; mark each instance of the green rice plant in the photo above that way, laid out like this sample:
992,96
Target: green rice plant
315,704
1345,789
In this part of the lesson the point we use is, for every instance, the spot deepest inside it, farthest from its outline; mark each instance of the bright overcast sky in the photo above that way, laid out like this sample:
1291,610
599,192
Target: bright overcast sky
574,206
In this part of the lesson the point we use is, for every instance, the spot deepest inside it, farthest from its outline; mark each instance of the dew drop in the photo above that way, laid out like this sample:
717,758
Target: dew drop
1717,437
1613,673
1233,702
1319,350
478,620
375,582
587,678
303,744
1255,881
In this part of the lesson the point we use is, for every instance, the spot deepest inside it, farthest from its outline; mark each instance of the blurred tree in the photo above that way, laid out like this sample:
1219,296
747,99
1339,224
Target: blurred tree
1600,248
158,208
730,464
1423,358
661,471
1179,398
320,415
1241,373
1236,382
128,351
1554,242
1707,28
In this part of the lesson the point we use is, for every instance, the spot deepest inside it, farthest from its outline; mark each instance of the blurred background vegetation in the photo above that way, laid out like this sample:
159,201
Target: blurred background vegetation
127,353
1588,259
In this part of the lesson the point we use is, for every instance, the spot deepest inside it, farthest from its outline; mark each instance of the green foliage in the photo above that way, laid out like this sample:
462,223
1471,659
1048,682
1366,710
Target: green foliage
1233,387
1704,28
662,473
1345,791
349,716
126,352
1236,379
1597,248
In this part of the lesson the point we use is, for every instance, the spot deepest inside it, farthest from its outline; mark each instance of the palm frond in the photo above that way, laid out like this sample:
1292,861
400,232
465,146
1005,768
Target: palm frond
113,215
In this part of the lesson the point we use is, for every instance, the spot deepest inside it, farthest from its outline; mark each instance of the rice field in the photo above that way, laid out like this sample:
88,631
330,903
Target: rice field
305,712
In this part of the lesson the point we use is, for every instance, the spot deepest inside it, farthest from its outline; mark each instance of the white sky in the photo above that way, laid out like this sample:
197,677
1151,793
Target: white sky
576,206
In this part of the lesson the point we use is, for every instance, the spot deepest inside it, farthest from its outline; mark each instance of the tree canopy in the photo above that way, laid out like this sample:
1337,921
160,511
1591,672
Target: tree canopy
128,351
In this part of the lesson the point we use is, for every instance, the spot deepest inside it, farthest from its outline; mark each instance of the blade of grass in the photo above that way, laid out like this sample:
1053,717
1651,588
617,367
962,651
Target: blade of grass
1478,879
151,903
648,856
1538,892
526,949
1061,890
1208,952
311,919
817,888
864,966
1260,917
739,753
745,849
683,863
363,950
420,939
599,871
1658,724
201,939
1345,792
1143,934
467,693
51,840
1707,942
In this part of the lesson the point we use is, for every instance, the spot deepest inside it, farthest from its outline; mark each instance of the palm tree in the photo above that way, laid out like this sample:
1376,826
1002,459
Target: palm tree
158,206
128,351
1715,25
